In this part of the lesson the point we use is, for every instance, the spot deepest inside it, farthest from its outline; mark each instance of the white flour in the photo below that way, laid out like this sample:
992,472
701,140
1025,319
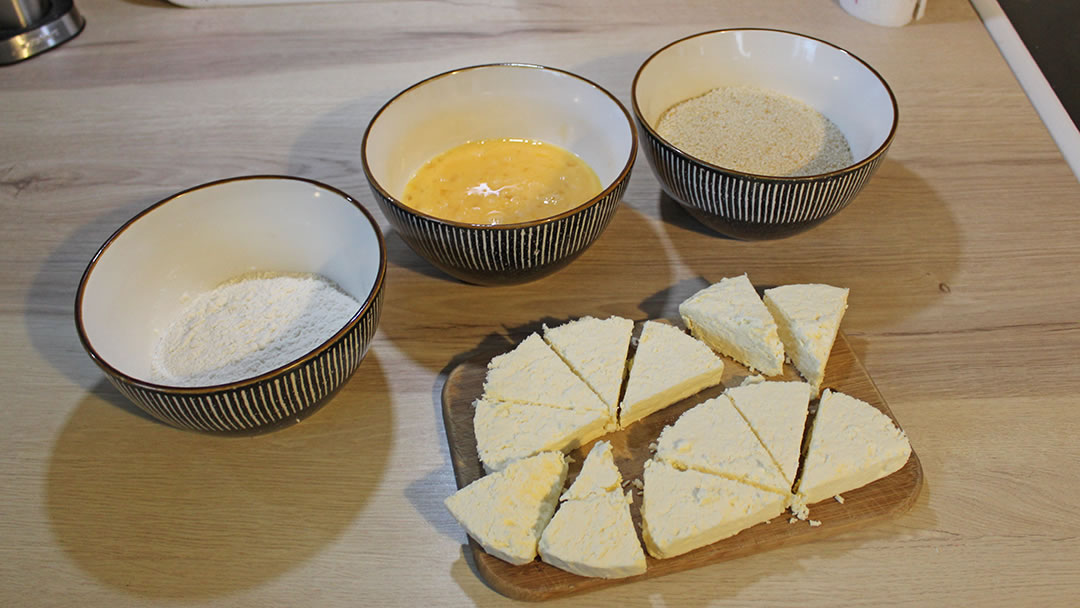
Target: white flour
249,325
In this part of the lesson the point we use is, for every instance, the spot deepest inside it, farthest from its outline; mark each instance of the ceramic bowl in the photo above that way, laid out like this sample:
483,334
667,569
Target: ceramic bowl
490,102
826,77
193,241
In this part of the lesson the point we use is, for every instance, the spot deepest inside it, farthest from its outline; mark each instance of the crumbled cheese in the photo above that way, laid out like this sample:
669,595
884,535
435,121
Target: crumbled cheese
814,523
799,508
839,499
792,520
755,379
637,483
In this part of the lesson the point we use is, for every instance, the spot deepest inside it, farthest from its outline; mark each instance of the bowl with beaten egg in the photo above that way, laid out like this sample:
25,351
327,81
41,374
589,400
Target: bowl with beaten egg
502,173
762,134
237,306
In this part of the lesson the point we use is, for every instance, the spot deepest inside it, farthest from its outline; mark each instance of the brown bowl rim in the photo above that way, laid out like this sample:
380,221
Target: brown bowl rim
365,306
623,174
759,176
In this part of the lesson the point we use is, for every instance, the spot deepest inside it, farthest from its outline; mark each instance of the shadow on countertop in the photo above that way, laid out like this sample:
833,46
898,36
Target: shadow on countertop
162,513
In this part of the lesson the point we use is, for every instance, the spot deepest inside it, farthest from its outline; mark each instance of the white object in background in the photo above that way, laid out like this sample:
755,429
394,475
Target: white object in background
223,3
891,13
1034,83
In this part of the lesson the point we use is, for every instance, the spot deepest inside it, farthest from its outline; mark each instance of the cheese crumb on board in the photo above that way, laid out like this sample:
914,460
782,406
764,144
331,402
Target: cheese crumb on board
799,508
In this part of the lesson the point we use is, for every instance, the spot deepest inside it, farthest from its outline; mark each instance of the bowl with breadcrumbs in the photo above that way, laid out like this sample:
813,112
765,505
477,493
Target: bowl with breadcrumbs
762,134
502,173
237,306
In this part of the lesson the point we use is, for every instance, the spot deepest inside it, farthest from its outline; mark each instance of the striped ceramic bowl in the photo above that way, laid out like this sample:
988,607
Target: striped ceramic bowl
135,285
489,102
746,205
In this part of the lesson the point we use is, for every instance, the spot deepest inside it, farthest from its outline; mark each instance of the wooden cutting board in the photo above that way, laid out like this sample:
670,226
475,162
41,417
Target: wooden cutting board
886,497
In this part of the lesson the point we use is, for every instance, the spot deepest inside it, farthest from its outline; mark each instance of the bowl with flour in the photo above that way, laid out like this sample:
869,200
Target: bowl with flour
236,306
762,134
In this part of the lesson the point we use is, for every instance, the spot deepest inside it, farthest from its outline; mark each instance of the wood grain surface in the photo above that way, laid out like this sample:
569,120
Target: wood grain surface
886,497
961,256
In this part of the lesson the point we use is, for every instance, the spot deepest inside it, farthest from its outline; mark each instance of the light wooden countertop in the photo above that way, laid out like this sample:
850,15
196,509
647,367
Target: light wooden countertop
961,256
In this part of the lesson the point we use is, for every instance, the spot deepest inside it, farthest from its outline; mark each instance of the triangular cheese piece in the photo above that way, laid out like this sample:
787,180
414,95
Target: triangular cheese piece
730,317
852,443
506,431
533,373
684,510
598,475
776,412
592,533
594,537
713,438
807,318
667,367
506,512
596,350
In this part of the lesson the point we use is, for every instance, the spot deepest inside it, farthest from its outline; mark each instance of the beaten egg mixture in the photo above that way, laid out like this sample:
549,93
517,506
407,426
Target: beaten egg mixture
501,181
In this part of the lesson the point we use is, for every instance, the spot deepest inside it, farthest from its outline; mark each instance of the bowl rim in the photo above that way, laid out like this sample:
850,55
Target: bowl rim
608,189
760,176
365,305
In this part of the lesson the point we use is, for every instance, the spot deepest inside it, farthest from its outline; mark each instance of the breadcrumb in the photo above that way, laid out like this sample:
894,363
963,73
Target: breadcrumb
756,131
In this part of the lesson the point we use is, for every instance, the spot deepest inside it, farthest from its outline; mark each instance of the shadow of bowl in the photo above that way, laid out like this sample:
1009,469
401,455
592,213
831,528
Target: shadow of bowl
162,513
897,248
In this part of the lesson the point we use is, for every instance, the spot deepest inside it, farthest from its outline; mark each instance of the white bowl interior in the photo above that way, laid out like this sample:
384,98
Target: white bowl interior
828,79
207,236
490,102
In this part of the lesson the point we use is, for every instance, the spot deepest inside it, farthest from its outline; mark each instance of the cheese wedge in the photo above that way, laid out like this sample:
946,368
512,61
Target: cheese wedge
851,444
596,350
684,510
776,412
594,537
730,317
807,318
533,373
598,475
507,431
668,367
713,438
506,512
592,533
